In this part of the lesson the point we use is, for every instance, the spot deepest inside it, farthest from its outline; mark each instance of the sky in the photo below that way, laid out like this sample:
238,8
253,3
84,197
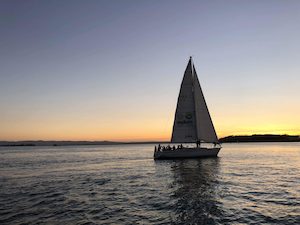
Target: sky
111,70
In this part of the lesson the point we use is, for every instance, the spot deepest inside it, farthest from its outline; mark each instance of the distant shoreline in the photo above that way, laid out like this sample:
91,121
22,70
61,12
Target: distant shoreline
260,138
69,143
228,139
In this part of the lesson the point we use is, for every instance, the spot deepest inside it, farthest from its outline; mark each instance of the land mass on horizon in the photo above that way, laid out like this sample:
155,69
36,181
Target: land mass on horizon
260,138
228,139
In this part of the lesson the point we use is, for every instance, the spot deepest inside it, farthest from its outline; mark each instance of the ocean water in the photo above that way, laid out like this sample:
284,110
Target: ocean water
122,184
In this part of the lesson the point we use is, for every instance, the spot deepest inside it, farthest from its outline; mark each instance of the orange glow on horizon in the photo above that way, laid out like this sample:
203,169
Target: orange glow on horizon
146,124
138,131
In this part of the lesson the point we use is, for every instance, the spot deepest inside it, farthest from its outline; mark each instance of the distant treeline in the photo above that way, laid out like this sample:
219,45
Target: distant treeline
55,143
68,143
260,138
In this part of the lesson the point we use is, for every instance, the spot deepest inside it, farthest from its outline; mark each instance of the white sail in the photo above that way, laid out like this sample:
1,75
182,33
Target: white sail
205,128
184,128
192,120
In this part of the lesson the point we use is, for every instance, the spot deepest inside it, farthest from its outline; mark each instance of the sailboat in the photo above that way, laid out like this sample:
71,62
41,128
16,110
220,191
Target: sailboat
193,128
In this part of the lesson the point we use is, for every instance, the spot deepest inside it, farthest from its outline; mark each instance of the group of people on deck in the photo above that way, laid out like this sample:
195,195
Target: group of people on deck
167,148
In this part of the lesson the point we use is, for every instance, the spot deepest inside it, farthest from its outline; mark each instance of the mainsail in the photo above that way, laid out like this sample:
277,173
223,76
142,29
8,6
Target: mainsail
184,128
192,119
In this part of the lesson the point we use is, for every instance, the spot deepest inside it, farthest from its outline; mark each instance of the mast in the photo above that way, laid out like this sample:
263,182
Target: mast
193,90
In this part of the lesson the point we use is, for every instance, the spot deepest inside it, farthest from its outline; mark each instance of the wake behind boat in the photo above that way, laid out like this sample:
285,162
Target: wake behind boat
192,123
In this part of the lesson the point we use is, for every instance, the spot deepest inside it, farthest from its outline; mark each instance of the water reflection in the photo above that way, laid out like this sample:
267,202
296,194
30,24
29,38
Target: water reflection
196,191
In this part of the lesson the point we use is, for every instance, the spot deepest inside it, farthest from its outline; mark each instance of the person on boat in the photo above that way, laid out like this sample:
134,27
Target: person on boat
198,143
174,147
159,147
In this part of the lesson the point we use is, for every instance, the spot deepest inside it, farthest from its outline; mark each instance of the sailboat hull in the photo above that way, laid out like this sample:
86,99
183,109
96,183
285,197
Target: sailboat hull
187,153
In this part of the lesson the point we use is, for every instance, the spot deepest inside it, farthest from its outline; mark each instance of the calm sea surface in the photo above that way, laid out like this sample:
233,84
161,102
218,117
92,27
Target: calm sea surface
246,184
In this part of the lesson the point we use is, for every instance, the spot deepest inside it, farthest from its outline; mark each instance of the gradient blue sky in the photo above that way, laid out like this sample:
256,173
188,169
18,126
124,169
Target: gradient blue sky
99,70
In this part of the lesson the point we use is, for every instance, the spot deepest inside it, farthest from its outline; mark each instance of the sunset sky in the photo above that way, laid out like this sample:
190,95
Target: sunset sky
111,70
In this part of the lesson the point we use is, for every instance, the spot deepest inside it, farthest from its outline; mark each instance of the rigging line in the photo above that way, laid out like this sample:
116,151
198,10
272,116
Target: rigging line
193,88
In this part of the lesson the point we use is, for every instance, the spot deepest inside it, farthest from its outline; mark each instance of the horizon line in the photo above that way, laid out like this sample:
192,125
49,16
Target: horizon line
132,141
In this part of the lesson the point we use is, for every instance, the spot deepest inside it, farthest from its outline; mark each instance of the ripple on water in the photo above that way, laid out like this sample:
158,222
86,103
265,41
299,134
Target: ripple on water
123,185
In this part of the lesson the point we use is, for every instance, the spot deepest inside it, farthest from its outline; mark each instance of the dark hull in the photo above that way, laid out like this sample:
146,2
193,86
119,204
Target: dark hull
187,153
